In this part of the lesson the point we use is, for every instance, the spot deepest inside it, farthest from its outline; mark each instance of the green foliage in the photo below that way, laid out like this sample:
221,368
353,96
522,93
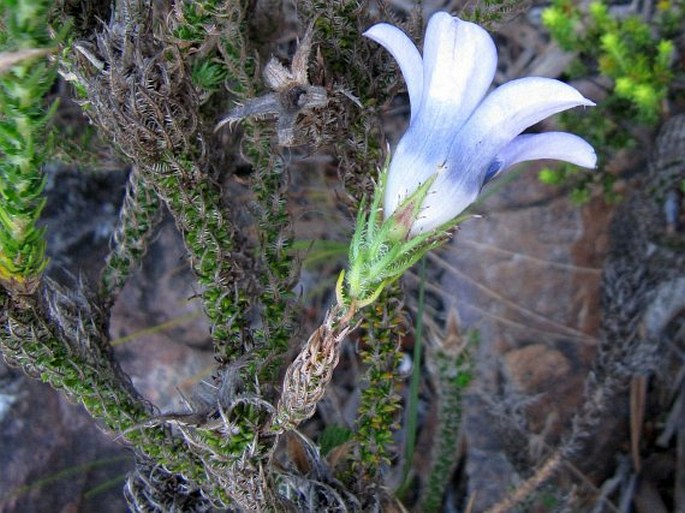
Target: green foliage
358,142
25,23
670,14
638,63
153,84
226,60
208,238
229,62
279,266
563,20
333,436
638,58
137,219
208,75
24,144
196,18
91,378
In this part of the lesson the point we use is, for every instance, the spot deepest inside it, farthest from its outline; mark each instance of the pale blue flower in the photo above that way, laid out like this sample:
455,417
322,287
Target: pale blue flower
458,132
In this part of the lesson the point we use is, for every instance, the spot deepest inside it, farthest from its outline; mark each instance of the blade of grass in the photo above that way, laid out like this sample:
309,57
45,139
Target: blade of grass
157,328
66,473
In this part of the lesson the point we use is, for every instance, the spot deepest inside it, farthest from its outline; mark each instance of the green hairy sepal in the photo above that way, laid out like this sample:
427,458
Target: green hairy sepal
382,250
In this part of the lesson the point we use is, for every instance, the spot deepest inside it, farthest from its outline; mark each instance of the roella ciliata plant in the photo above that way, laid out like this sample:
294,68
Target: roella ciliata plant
213,113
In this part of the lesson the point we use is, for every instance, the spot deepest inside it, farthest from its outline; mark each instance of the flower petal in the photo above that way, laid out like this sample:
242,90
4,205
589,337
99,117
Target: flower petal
406,55
459,63
444,202
549,145
415,159
505,113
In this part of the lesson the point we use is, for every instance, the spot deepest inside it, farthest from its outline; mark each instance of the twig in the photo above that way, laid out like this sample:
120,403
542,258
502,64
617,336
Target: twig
529,485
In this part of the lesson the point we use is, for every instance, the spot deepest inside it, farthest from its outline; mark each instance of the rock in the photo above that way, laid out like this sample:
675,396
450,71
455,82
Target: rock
55,458
160,333
80,215
527,277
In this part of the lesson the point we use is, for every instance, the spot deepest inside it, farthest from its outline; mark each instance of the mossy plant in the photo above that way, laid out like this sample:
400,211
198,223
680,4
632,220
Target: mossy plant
24,142
379,406
155,79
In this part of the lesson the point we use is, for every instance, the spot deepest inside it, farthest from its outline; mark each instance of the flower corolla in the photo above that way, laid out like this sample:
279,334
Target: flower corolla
460,137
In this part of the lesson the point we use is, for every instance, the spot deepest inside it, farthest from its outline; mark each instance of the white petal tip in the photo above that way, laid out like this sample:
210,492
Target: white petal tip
378,30
405,53
548,145
583,158
591,161
580,152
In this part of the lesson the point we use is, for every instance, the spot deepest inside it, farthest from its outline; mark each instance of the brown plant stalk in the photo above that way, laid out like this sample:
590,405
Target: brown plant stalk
308,376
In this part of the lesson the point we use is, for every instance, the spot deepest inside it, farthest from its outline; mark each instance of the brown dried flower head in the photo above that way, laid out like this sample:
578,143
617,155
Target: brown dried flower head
292,95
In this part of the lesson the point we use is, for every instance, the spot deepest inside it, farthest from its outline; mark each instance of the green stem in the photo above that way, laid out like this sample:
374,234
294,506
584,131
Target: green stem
379,403
413,400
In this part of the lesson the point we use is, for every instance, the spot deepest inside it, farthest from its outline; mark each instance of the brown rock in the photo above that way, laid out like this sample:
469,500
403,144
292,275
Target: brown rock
527,277
54,457
536,368
159,330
